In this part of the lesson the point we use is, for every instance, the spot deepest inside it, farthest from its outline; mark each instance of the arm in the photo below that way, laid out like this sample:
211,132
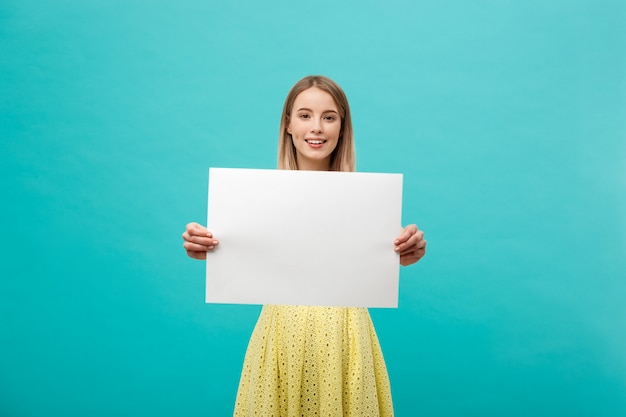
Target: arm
198,241
410,245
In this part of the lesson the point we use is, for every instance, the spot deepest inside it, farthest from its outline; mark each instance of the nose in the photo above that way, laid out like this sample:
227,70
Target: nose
316,126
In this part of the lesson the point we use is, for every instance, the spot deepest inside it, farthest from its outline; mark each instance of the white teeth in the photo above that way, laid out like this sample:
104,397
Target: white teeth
315,142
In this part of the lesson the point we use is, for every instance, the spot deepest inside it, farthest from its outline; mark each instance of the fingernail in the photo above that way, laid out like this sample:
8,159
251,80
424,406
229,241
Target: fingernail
210,247
215,242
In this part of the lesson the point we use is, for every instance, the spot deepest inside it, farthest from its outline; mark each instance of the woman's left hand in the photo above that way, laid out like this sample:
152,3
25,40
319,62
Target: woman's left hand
410,245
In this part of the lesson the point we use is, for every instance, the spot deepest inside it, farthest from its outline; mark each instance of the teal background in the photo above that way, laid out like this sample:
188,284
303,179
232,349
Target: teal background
506,118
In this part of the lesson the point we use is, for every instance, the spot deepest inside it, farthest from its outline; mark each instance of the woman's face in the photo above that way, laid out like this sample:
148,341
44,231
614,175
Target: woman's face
314,126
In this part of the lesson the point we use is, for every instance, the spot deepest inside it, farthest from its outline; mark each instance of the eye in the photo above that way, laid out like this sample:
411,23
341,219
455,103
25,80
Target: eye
303,116
330,118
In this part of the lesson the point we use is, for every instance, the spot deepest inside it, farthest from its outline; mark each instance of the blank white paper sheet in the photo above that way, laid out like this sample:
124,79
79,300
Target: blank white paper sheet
313,238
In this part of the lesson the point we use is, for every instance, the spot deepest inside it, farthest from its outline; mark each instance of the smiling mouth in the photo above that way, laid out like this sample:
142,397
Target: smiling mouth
315,141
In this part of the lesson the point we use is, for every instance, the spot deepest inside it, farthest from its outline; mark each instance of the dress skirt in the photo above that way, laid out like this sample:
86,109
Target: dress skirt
314,361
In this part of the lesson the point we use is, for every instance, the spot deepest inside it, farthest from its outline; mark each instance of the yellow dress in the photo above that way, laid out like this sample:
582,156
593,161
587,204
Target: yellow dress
314,361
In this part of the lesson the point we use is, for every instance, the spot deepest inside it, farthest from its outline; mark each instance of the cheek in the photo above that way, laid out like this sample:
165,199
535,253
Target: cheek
338,131
294,129
336,145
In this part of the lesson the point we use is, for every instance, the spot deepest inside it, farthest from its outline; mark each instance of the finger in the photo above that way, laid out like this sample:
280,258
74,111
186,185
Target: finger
195,229
409,259
420,246
412,257
194,247
412,243
406,234
200,240
196,255
415,249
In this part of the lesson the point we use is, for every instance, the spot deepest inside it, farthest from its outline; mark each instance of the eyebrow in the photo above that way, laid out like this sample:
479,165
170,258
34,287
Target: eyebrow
325,111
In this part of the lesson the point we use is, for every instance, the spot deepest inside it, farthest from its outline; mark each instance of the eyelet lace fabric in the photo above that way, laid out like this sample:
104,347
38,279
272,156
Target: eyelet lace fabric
314,361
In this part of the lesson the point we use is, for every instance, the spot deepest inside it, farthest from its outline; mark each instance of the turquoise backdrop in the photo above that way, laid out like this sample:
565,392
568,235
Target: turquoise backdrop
507,119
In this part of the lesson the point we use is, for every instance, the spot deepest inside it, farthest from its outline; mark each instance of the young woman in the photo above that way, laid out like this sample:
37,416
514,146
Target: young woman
314,361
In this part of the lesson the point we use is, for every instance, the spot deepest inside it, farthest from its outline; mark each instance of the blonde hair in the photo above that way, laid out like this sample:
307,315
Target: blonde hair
343,157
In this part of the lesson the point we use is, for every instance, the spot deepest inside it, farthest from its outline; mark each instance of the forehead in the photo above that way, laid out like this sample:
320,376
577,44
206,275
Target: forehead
315,99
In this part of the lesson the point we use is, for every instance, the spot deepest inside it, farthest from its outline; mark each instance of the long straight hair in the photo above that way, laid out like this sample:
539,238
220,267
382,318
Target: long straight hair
343,157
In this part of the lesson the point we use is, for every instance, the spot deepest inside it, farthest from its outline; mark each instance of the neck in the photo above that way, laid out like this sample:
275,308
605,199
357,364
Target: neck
309,165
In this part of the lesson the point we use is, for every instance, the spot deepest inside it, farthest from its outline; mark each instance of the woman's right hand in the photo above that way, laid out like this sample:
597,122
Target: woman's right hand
198,241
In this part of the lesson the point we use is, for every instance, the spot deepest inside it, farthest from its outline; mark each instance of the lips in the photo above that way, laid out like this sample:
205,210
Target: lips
315,141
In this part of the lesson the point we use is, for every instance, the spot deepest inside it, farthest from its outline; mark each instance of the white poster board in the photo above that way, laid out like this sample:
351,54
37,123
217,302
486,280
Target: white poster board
303,237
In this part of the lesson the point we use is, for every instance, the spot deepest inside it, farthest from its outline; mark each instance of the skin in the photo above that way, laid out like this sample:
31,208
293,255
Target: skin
410,244
314,116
